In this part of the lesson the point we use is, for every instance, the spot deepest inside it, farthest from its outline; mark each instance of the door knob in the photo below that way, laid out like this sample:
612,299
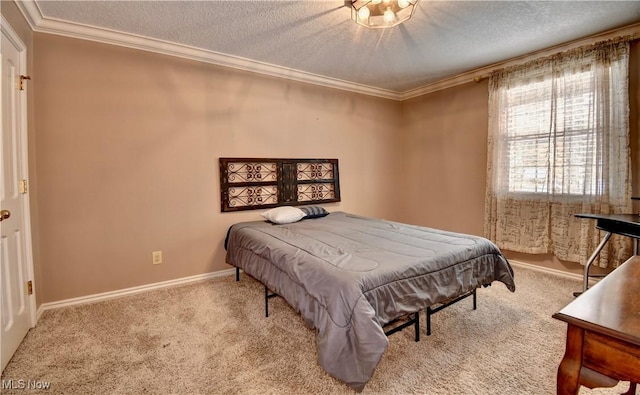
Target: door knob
4,214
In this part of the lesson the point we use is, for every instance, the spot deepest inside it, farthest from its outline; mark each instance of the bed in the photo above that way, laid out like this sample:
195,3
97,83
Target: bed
349,276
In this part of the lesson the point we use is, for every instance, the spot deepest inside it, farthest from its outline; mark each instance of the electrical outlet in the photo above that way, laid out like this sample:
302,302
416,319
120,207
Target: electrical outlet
156,257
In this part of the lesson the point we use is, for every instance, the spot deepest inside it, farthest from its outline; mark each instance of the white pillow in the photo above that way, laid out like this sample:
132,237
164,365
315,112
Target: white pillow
284,215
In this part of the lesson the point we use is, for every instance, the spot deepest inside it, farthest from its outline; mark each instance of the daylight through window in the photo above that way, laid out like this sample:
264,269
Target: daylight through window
550,144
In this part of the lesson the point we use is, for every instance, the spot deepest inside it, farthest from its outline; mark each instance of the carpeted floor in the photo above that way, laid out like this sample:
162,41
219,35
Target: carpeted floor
212,338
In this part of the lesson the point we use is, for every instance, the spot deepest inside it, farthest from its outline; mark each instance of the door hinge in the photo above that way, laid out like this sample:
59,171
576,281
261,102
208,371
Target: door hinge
30,287
23,186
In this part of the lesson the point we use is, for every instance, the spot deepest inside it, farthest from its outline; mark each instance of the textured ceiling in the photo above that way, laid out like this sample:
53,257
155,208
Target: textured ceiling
443,39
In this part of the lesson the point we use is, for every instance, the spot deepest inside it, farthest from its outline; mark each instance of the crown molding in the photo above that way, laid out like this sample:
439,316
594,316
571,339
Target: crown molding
30,11
484,72
39,23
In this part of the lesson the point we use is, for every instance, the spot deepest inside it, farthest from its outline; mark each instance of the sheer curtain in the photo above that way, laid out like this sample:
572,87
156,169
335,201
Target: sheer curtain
559,145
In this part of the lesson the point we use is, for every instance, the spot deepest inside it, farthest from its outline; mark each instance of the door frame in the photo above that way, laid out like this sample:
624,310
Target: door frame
11,34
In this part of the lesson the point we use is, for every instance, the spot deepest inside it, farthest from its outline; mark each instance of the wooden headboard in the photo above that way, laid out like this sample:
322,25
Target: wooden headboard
259,183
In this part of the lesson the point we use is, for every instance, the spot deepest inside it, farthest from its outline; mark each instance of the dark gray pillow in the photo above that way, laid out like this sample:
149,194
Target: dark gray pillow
314,212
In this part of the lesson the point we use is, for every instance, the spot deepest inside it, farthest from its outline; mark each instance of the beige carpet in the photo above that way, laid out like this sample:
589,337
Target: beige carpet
212,338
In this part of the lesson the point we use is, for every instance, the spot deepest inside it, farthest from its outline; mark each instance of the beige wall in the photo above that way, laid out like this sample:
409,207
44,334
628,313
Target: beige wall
127,151
445,158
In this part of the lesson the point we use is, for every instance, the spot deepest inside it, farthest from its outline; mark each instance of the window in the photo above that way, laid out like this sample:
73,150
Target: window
552,151
558,145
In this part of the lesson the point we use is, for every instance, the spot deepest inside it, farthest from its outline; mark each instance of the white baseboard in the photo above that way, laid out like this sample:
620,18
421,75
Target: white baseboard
544,269
129,291
201,277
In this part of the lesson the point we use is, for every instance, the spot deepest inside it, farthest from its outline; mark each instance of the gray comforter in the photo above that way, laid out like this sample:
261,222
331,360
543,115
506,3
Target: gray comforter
349,275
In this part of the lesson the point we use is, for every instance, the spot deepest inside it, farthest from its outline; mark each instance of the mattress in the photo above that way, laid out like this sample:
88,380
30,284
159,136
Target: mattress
349,275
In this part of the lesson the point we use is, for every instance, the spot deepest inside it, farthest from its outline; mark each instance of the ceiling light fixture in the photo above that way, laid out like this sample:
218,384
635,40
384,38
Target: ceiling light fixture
380,14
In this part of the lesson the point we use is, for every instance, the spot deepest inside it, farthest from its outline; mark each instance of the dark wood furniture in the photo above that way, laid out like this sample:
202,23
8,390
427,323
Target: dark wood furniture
603,333
262,183
623,224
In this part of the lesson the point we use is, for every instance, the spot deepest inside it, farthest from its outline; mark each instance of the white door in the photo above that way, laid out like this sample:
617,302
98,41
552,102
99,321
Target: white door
18,304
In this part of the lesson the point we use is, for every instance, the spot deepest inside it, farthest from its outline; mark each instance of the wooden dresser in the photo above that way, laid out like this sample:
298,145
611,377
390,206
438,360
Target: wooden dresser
603,333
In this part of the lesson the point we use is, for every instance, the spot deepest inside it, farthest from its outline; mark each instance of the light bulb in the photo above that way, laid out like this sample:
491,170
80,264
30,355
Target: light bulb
389,16
363,13
403,3
376,1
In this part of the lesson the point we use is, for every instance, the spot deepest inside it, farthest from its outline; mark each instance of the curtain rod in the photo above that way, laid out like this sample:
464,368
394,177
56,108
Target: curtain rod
631,38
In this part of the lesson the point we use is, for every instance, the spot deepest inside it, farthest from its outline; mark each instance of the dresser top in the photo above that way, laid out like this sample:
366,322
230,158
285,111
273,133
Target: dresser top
612,306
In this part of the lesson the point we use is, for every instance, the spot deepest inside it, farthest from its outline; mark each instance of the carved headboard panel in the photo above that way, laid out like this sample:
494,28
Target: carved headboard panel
258,183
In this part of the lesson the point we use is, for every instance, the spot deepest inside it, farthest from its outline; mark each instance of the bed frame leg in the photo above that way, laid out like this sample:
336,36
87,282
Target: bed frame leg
429,321
410,319
267,296
475,299
237,274
266,301
417,327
